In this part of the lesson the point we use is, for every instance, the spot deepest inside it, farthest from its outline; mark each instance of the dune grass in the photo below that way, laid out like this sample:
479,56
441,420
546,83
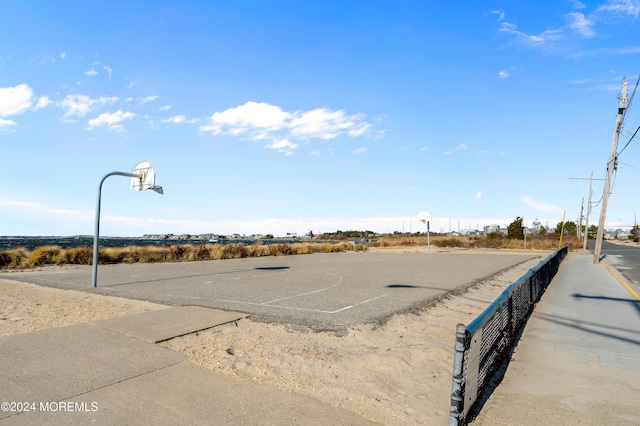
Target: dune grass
21,258
492,241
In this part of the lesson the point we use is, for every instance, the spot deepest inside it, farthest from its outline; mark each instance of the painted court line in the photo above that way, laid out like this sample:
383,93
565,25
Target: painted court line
307,293
304,309
344,308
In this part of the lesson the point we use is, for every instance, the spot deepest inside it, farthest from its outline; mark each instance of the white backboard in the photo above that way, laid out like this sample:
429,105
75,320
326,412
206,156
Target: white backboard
424,217
147,177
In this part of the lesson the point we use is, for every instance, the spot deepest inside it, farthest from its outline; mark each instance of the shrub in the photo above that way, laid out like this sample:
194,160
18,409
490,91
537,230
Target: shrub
151,254
176,253
280,249
449,242
12,258
234,251
79,255
202,252
5,259
258,250
111,255
45,255
301,248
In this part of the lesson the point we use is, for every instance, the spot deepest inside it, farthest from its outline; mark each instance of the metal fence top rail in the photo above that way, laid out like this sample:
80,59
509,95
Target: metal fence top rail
506,293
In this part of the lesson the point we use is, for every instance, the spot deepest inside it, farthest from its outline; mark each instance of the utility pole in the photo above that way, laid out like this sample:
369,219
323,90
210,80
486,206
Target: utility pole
579,233
623,102
586,220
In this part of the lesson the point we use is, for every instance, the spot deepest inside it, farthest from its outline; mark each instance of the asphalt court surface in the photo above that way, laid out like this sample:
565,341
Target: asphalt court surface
323,291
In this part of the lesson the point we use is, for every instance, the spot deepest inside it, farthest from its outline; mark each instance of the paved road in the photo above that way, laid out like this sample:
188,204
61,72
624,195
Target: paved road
625,259
322,291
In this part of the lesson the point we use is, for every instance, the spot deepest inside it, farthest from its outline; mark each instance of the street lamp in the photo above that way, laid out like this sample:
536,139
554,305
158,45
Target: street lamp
425,218
142,177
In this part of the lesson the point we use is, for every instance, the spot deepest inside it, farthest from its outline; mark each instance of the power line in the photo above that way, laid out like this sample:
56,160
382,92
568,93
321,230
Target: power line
625,113
633,136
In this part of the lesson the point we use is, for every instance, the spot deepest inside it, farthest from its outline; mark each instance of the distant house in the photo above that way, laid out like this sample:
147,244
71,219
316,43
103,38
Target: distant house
469,232
491,229
622,235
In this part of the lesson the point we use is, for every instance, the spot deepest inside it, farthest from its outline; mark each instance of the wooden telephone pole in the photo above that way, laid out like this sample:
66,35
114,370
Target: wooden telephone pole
586,223
623,102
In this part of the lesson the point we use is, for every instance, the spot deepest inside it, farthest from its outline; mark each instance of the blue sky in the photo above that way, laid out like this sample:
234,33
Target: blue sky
282,116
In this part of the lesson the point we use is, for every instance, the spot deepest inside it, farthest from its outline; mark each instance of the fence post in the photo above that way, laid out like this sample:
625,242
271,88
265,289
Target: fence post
457,397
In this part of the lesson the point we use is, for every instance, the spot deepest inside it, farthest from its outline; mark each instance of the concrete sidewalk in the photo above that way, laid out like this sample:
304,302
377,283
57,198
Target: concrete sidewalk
578,360
112,372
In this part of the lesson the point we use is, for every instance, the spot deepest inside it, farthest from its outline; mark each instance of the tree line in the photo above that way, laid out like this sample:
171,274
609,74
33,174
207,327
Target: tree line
515,230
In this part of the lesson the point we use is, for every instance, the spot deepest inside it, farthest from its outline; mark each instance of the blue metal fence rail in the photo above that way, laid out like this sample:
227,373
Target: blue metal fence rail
483,344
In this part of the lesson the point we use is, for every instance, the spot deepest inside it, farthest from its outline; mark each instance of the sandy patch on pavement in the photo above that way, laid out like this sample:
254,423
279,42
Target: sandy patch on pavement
398,373
28,307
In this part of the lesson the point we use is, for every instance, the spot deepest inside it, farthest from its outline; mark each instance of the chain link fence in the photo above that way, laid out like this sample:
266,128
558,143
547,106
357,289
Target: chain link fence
485,343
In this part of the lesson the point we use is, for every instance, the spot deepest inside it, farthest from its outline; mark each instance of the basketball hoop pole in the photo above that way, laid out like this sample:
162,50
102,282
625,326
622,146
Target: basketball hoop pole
425,218
428,242
94,272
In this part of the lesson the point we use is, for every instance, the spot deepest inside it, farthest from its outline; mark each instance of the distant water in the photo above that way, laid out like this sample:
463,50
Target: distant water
30,243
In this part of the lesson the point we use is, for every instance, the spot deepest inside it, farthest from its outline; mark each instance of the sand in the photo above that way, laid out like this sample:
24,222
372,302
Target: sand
397,373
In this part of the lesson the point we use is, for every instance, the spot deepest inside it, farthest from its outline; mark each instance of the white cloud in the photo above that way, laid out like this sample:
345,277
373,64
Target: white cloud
478,195
358,151
577,23
148,99
15,100
283,145
179,119
108,69
6,124
500,14
577,4
461,147
260,120
530,39
621,7
547,208
359,130
580,24
250,117
76,221
91,73
62,55
322,123
43,102
503,74
165,108
80,105
108,99
110,120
